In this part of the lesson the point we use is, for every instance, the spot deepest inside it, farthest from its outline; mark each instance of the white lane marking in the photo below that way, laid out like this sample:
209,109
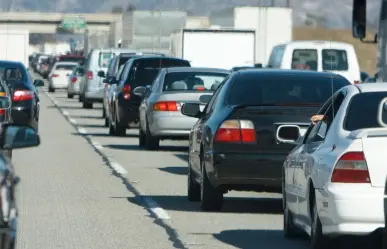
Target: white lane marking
73,121
118,168
66,113
82,130
55,102
156,210
97,145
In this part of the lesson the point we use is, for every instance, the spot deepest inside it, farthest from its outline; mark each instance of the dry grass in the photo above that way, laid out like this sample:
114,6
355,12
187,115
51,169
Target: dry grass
366,52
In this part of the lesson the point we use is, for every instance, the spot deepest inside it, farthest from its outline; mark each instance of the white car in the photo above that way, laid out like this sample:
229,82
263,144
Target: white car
59,75
333,180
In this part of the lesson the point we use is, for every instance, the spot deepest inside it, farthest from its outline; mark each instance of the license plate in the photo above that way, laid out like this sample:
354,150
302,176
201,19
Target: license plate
202,107
302,131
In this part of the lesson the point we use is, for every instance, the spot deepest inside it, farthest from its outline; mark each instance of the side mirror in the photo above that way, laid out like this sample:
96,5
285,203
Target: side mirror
288,134
140,91
18,136
205,99
191,110
101,74
38,83
359,19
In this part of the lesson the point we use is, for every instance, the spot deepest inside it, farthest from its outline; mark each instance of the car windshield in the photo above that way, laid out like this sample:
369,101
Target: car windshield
362,111
65,67
306,59
334,60
192,81
283,89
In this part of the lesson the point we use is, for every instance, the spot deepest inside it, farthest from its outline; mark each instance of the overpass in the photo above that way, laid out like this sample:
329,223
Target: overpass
47,23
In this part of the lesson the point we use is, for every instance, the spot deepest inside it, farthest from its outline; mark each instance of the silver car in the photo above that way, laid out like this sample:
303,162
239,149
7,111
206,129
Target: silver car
160,115
76,76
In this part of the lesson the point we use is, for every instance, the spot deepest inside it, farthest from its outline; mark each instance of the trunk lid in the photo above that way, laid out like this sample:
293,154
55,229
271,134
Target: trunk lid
376,157
182,98
266,120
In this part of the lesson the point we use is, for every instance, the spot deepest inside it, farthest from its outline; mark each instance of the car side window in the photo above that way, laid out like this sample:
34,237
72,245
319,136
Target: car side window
125,73
210,106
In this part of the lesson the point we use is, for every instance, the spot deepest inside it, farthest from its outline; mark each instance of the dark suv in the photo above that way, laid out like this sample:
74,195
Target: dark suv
140,71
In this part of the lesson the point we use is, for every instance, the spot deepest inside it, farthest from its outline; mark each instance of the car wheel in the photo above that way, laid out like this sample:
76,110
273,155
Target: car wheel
193,186
141,138
106,122
87,105
80,98
290,231
111,128
317,238
119,130
50,89
70,96
103,112
151,142
211,198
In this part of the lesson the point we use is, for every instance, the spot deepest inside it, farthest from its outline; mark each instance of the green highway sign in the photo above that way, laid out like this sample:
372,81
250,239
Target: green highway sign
73,23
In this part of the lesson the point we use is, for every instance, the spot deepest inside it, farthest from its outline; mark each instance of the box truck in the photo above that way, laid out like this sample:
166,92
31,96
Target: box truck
216,48
14,46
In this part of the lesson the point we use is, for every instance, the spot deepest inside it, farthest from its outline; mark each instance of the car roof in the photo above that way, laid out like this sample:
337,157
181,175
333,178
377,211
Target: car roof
373,87
145,57
317,44
196,69
288,72
10,63
66,63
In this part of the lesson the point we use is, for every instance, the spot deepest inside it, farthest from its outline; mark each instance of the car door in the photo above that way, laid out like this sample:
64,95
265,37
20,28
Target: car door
197,131
312,156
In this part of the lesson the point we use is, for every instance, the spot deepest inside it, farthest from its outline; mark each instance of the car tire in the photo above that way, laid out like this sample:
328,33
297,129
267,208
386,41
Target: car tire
151,142
111,128
290,230
317,239
87,105
211,198
50,89
103,111
193,186
106,122
80,98
70,96
141,138
119,130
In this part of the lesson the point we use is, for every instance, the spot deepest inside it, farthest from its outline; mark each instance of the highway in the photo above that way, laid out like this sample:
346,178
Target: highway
82,188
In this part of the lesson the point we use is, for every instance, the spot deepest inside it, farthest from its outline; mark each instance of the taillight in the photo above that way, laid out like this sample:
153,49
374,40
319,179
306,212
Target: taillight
351,168
74,79
236,131
22,95
356,82
200,88
89,75
54,75
2,112
126,92
167,106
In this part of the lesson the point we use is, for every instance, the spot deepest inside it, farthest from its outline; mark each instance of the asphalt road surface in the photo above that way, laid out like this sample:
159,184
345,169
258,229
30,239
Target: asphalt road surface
82,188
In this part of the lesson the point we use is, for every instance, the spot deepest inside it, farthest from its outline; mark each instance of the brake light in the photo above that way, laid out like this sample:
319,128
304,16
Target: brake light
89,75
22,95
201,88
356,82
126,92
2,112
236,131
167,106
351,168
74,79
54,75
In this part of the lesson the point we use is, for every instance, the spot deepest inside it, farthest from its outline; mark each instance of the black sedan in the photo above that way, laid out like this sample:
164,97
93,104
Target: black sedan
25,99
233,147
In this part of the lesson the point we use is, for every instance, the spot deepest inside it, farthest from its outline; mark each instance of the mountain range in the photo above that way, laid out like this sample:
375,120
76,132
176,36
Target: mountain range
329,13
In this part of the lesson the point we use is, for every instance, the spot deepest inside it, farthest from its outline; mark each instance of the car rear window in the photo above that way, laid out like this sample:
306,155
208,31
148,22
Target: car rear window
362,111
305,59
334,60
104,59
65,67
71,59
146,70
283,89
192,81
11,74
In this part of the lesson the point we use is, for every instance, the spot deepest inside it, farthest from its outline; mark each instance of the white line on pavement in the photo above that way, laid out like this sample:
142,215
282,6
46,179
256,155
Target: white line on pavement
156,210
118,168
73,121
66,113
97,145
82,130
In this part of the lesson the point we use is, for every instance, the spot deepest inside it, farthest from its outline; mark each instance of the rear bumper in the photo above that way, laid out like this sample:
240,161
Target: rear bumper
73,88
246,171
165,125
21,115
94,95
58,84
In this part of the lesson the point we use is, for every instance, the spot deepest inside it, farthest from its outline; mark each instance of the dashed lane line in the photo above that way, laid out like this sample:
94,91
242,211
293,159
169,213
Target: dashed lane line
152,206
